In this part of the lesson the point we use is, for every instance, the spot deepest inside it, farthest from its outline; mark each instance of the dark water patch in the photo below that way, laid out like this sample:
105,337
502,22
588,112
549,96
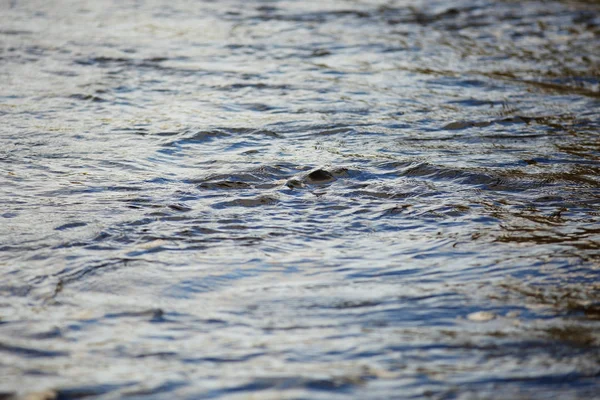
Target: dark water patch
15,291
162,389
551,122
194,137
75,189
188,288
520,234
486,181
30,352
197,231
179,207
309,17
124,61
579,336
15,32
259,107
117,66
161,355
264,177
222,360
83,392
248,202
67,276
70,226
552,380
584,149
226,185
340,384
152,315
550,87
350,304
87,97
70,74
256,86
103,60
320,53
475,103
577,300
468,124
53,333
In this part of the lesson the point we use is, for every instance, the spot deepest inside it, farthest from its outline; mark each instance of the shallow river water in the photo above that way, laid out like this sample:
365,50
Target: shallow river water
300,199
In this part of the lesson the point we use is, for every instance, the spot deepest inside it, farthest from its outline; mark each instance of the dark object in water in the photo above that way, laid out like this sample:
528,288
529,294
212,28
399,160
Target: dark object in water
320,176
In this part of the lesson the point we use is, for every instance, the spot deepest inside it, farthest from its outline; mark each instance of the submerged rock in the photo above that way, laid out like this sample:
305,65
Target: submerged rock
320,176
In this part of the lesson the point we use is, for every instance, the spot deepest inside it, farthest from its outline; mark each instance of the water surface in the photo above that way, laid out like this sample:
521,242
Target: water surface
300,199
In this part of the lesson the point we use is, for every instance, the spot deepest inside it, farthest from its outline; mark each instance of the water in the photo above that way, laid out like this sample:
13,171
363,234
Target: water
300,200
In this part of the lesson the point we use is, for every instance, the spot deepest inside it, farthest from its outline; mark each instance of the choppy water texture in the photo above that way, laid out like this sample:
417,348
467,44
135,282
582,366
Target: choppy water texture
300,199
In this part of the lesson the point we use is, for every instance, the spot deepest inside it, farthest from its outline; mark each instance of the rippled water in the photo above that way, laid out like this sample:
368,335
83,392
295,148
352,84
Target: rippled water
300,199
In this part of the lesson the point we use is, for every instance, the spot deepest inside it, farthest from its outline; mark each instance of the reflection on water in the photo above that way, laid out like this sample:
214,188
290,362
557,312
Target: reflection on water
282,199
